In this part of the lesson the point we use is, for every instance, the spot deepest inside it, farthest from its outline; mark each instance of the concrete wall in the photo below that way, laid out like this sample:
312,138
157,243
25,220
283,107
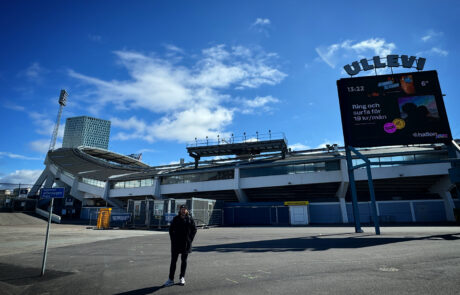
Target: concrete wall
135,191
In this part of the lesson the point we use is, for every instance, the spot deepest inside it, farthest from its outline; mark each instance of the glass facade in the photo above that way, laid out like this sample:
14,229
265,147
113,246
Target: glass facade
197,177
290,169
331,165
132,183
417,157
93,182
86,131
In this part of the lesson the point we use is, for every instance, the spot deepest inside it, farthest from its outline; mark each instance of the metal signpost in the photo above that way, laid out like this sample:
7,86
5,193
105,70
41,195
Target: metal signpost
49,193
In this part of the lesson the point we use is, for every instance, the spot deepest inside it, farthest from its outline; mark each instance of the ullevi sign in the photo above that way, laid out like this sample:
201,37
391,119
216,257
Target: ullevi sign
392,61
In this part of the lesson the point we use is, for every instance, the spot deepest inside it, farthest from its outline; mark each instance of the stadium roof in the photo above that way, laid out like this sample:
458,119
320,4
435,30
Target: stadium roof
113,157
94,163
307,156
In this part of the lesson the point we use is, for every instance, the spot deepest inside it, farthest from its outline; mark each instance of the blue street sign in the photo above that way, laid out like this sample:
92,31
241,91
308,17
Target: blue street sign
48,193
120,216
169,216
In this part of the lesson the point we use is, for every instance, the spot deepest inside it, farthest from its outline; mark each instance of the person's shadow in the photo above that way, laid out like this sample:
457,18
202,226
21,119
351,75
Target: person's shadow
143,291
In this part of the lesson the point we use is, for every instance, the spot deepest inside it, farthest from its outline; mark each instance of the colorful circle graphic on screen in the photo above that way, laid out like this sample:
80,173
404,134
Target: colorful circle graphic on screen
389,127
399,123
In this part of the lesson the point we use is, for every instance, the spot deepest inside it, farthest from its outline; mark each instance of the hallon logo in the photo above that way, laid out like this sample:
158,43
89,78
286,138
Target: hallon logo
392,61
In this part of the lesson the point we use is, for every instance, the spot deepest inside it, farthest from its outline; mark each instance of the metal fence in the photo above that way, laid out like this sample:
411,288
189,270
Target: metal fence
205,217
256,215
118,217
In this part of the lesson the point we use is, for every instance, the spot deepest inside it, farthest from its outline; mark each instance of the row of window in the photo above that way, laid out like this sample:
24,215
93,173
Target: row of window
132,183
93,182
206,176
260,171
290,169
421,157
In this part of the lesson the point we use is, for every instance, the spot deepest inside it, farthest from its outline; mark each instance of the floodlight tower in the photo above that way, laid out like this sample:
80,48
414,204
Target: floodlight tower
62,102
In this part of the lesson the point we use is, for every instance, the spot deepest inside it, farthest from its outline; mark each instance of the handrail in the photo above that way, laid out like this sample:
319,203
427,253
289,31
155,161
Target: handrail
238,139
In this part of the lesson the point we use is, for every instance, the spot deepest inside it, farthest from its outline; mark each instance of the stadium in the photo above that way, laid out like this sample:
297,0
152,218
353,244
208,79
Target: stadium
406,168
404,193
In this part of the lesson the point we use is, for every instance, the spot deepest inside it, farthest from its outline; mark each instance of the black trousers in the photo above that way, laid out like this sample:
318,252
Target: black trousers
183,265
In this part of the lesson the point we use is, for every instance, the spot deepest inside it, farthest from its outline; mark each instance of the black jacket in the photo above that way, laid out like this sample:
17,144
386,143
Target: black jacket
182,232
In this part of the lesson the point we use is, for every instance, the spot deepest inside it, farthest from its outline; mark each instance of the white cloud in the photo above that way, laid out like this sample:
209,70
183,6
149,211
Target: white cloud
439,51
261,22
196,122
34,72
173,48
40,145
138,129
426,38
430,35
181,126
260,102
261,25
434,51
43,122
14,107
327,141
16,156
21,176
174,53
45,126
192,100
328,54
299,147
348,50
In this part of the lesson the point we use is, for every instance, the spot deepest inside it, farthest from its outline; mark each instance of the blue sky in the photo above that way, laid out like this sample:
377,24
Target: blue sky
165,72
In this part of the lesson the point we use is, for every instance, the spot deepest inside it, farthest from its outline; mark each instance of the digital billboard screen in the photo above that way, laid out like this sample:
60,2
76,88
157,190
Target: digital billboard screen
397,109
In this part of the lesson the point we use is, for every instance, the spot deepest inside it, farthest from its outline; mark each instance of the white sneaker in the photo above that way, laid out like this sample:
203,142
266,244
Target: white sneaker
182,281
168,283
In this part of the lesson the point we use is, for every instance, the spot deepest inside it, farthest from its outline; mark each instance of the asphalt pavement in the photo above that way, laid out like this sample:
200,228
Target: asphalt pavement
239,260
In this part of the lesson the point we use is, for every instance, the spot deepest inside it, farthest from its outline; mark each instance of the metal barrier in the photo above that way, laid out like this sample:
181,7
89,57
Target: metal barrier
205,217
256,215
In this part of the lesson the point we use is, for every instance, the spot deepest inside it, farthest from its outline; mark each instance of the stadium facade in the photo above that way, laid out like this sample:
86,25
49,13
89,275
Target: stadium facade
405,193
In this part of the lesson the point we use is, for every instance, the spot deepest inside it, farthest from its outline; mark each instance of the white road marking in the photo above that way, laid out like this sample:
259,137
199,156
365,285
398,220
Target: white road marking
250,276
388,269
232,281
263,271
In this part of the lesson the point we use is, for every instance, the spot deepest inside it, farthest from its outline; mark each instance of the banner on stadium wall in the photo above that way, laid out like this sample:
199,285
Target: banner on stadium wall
296,203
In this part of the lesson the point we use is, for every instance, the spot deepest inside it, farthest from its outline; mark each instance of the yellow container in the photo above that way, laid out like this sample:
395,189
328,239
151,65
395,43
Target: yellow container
103,218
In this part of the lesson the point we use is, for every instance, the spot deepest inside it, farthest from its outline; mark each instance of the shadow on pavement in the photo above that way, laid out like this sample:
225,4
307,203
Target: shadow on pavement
21,276
315,243
143,291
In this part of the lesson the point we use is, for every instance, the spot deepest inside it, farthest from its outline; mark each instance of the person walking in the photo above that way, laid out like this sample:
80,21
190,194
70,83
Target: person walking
181,232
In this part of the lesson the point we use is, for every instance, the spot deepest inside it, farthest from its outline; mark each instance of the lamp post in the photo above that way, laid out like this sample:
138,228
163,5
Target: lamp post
62,102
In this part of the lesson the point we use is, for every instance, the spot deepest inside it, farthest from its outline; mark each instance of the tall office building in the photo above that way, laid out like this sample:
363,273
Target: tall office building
86,131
